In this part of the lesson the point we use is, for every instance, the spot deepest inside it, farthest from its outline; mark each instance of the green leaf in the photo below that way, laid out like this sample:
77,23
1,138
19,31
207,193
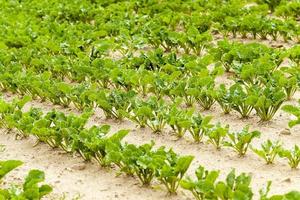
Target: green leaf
7,166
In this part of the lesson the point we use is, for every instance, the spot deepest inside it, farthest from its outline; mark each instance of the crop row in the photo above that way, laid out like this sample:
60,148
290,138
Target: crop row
168,77
117,102
134,25
260,26
68,132
180,121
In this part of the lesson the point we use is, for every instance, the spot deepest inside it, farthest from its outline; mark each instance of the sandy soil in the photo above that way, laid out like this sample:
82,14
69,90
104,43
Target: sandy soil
71,177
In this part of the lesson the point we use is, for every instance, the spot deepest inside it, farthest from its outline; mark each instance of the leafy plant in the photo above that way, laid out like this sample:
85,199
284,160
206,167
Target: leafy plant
217,134
271,3
240,141
235,187
199,126
7,166
100,146
81,141
30,189
204,186
223,98
206,92
10,113
264,193
240,100
156,114
269,150
171,173
140,112
26,123
142,161
185,89
115,104
294,110
266,101
220,53
292,155
294,54
287,79
179,120
56,128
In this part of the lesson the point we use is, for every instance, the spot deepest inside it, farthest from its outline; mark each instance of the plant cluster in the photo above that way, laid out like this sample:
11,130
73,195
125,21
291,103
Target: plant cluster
207,186
69,133
31,188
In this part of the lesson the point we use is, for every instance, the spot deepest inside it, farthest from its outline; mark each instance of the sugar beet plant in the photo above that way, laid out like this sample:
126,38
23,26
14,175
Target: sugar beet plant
223,97
200,125
179,119
173,171
266,101
155,112
293,156
240,100
293,110
141,51
269,151
217,134
206,185
118,102
142,161
31,188
240,141
264,194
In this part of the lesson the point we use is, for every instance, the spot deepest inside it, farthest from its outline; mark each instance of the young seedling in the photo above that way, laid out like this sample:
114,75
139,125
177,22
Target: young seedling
31,189
235,187
200,126
267,101
268,151
264,193
99,145
217,134
156,113
292,155
142,161
240,100
171,173
204,186
206,97
179,120
240,141
140,112
223,98
294,110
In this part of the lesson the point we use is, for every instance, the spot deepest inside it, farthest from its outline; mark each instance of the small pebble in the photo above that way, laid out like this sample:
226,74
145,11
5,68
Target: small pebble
285,131
79,166
288,180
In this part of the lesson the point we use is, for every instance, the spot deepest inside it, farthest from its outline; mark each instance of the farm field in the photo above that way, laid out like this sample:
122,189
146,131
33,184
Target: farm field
150,99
